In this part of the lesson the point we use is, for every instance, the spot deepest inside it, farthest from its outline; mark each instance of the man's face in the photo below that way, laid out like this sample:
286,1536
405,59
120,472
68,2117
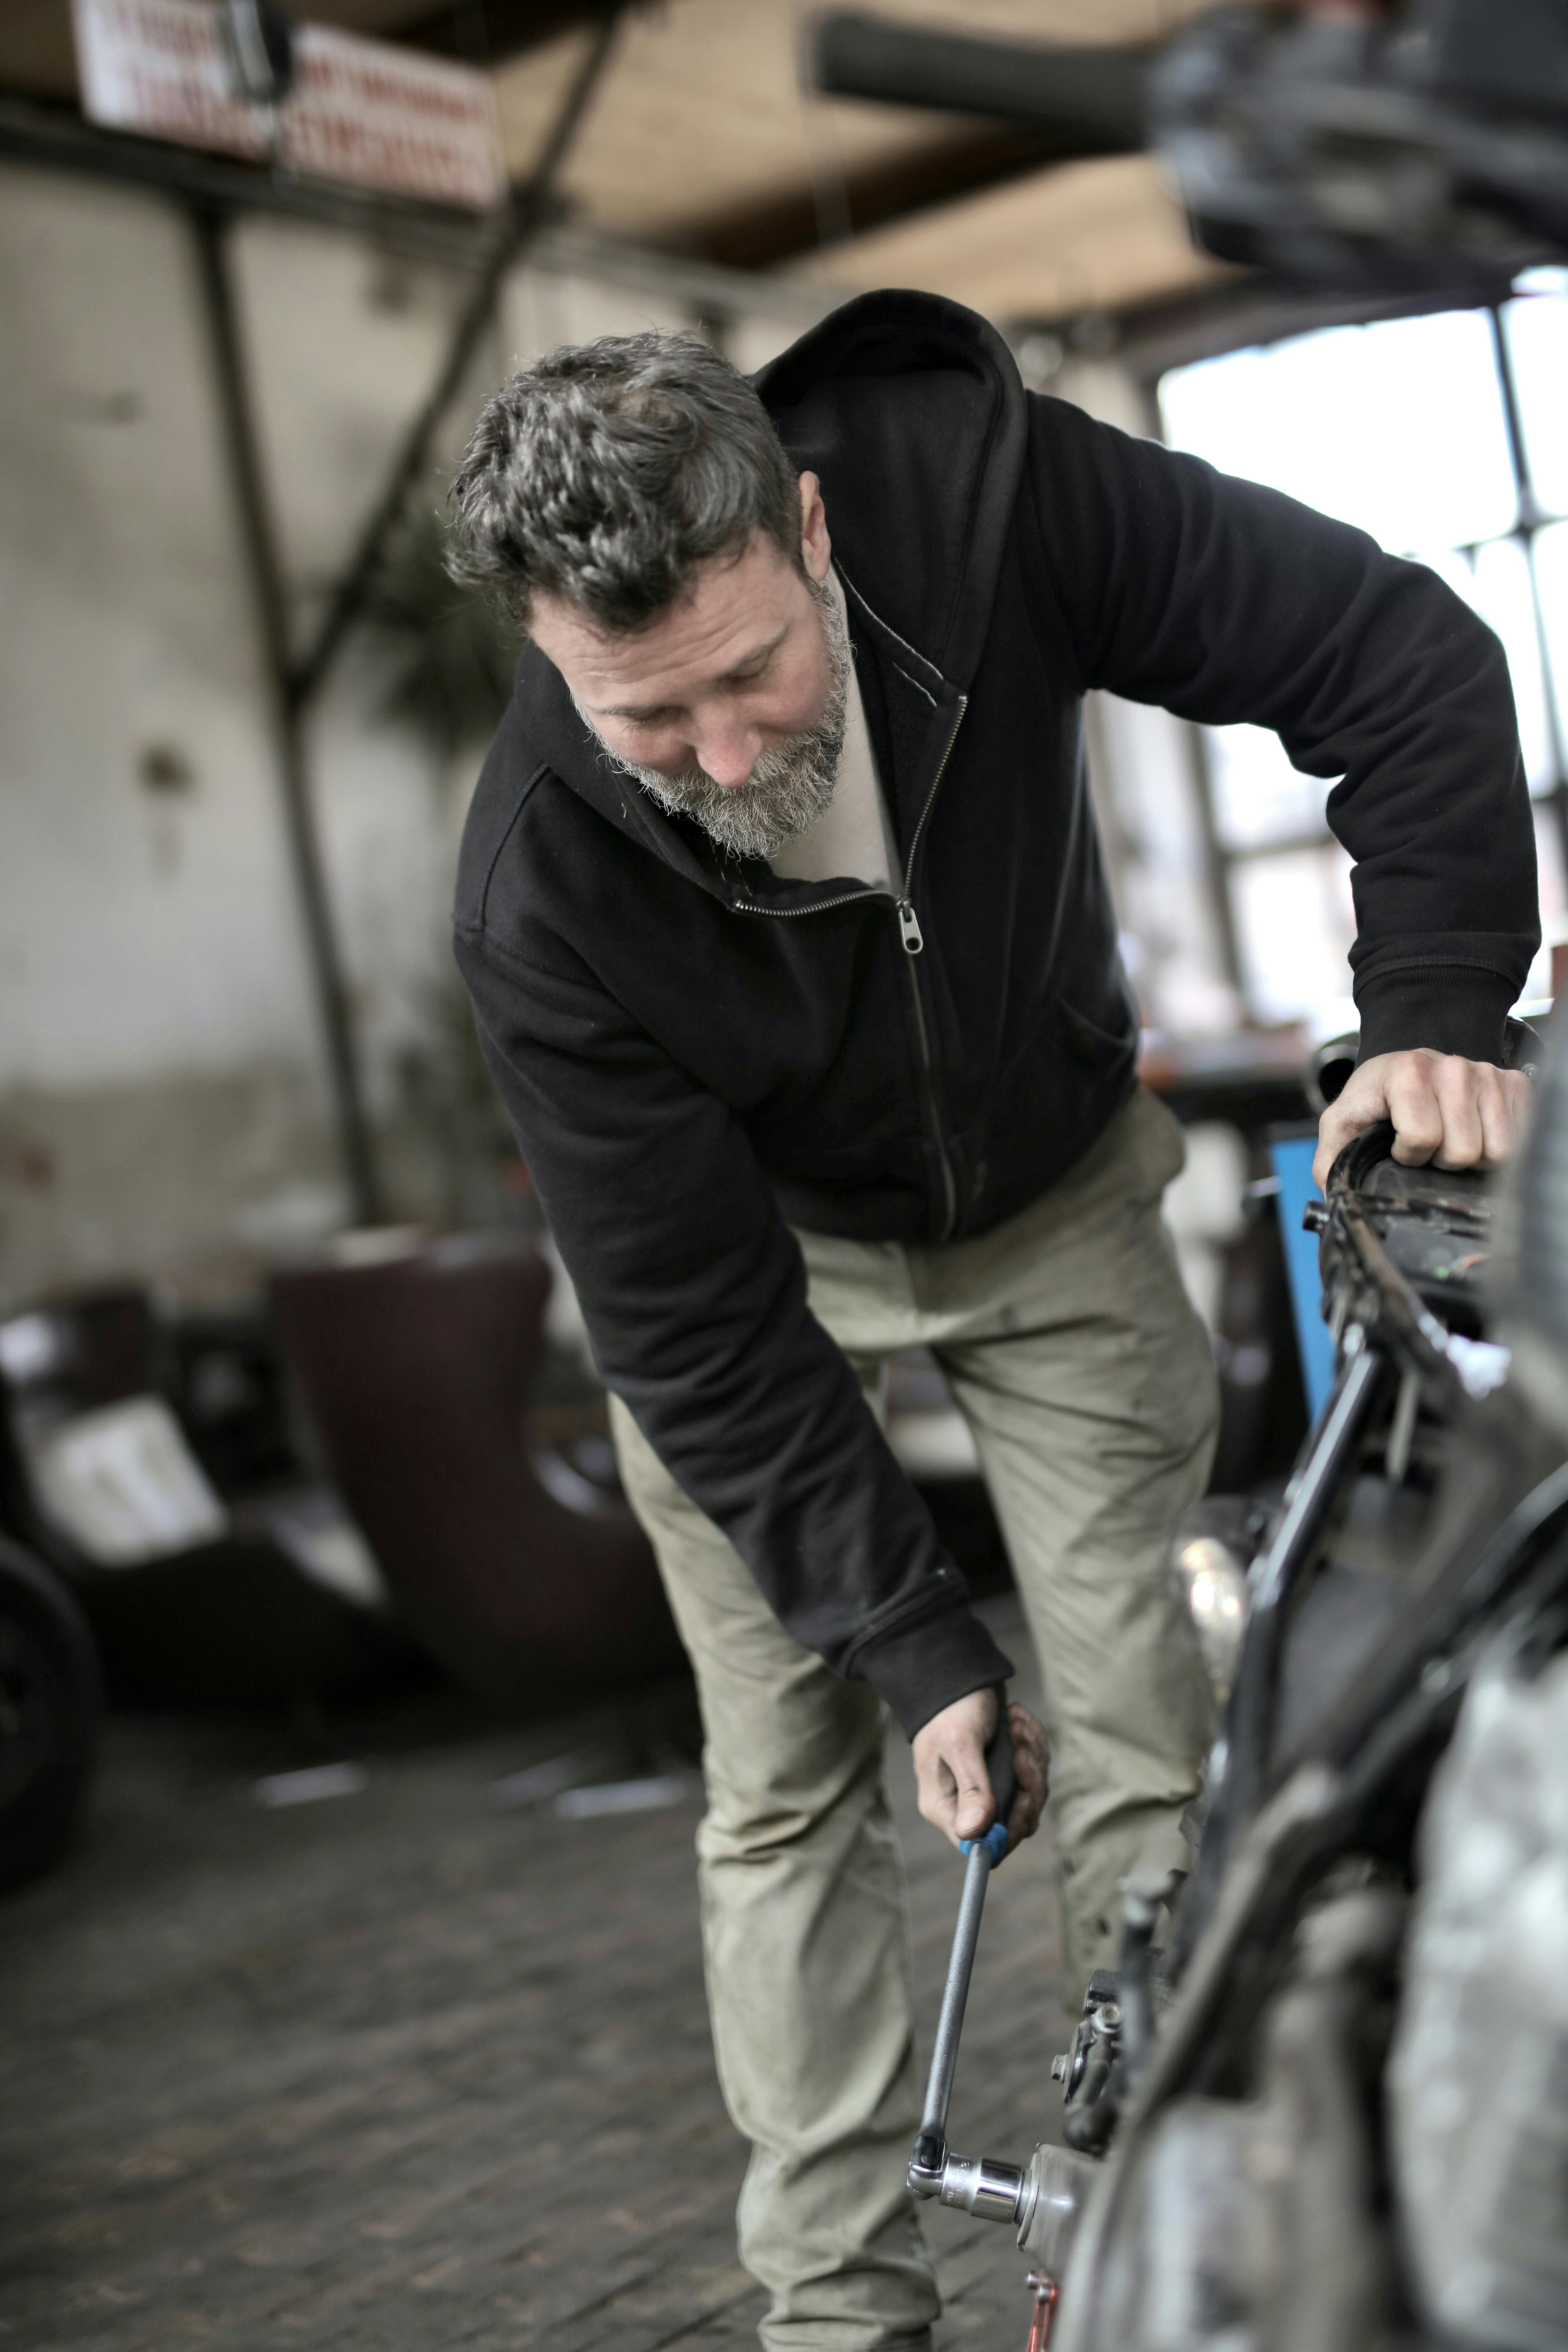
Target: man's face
730,705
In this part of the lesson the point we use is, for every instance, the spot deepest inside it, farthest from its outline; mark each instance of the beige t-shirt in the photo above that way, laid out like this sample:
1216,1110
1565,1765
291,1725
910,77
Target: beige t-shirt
854,834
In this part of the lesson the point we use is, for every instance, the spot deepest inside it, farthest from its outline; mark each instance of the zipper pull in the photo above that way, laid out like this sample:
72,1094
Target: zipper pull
909,928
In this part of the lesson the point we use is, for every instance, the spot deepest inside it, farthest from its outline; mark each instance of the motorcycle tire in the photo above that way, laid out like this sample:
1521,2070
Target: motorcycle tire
50,1707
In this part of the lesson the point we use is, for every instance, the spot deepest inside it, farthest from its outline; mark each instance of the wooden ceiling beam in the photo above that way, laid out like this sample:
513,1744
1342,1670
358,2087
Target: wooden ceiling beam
799,220
488,32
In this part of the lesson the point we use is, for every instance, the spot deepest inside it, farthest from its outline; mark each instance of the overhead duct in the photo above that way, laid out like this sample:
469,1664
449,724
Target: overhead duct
1083,101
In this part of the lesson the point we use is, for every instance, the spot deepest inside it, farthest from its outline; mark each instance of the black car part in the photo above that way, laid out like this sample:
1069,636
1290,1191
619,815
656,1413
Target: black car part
1333,2115
1418,147
50,1705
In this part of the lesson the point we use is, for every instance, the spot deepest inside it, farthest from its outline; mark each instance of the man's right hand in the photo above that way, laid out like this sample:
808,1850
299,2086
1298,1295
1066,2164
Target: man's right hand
1446,1112
954,1786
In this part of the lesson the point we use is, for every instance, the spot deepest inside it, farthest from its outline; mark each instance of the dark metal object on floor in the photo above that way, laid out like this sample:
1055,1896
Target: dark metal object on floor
50,1703
416,1373
236,1580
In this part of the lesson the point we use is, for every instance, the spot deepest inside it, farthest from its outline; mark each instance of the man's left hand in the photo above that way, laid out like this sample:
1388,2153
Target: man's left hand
1446,1112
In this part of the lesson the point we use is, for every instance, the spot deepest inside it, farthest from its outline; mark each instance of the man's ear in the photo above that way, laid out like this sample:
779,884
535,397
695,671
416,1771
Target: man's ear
815,547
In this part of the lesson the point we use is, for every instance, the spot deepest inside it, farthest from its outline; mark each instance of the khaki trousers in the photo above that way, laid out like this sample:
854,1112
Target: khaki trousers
1085,1375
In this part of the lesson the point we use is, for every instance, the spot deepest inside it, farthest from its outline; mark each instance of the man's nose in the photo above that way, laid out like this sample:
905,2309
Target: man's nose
728,753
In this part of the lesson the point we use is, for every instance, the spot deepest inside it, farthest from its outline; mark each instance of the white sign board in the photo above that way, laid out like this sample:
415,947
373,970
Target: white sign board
360,111
123,1484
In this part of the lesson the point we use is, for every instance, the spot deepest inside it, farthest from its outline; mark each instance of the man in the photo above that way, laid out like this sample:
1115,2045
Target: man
790,942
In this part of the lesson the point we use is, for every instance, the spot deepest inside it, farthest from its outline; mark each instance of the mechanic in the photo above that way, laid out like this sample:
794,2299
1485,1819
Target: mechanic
788,932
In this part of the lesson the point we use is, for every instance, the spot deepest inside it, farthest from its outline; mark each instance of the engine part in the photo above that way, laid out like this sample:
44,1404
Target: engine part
1118,2020
1251,2223
50,1706
1479,2079
1274,2185
1097,2042
1046,2291
1056,2189
1176,2272
1211,1551
1240,1761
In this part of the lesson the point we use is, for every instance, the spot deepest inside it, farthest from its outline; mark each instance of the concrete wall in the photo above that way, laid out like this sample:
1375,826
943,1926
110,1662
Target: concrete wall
162,1104
149,948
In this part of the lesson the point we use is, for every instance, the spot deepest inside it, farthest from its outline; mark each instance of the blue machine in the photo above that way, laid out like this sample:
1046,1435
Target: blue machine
1292,1155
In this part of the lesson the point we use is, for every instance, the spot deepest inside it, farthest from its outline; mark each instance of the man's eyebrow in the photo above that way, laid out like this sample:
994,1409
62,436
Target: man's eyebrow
752,660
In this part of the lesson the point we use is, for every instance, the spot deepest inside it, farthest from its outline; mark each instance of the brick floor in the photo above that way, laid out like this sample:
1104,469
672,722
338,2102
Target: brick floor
405,2069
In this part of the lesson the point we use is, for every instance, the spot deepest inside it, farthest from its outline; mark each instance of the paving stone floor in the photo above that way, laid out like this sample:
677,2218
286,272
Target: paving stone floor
405,2069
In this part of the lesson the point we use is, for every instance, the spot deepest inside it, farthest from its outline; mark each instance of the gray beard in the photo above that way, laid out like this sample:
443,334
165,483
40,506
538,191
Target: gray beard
788,788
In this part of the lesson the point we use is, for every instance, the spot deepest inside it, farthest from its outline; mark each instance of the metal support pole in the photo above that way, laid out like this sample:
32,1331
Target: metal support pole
525,213
292,684
267,581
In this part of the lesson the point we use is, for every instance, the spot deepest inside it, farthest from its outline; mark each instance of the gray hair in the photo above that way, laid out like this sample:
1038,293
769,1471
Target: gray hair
606,473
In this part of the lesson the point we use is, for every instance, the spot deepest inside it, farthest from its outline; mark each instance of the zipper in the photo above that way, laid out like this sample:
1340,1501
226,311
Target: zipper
935,788
794,914
912,940
910,935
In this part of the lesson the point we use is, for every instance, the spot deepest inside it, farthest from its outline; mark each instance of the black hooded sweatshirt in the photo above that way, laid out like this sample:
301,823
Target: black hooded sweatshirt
697,1054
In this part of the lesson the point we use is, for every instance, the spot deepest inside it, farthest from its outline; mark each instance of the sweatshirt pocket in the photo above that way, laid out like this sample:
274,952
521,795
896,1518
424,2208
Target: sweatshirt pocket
1091,1041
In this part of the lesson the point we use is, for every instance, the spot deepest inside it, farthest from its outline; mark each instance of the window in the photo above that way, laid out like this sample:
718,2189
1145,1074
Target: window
1447,438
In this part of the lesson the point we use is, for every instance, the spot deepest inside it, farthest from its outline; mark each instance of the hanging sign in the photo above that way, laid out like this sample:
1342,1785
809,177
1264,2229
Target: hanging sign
364,112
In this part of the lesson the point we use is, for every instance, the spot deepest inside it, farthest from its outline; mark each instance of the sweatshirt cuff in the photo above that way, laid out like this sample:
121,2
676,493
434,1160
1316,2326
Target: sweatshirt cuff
920,1668
1448,1008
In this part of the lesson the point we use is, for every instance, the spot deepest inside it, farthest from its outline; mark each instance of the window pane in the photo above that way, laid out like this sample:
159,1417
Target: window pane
1553,900
1538,341
1551,580
1397,426
1294,924
1258,797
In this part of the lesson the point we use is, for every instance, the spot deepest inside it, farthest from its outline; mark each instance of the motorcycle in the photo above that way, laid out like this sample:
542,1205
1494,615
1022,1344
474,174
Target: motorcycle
1332,2112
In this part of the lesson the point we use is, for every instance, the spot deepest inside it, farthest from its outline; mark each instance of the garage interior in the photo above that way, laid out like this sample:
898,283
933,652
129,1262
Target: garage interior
364,2004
